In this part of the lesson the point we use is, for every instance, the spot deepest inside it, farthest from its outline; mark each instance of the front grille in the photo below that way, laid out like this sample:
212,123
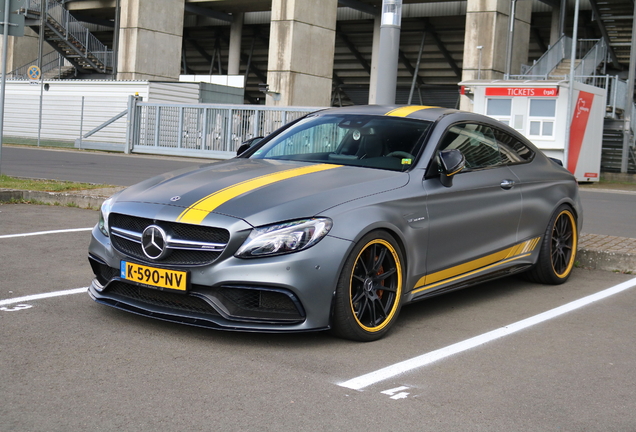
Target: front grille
161,298
176,231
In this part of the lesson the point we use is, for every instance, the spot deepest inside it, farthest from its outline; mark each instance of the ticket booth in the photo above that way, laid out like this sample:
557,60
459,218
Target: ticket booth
539,111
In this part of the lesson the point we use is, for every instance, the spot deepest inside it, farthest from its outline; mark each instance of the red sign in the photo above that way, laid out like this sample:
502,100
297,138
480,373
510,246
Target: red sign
522,91
577,128
590,175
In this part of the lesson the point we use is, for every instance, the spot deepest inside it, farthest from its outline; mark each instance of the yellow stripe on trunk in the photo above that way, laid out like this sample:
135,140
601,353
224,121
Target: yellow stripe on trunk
199,210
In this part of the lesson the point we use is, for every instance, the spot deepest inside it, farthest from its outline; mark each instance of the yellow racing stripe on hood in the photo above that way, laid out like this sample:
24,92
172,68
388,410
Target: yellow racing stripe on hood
200,209
404,111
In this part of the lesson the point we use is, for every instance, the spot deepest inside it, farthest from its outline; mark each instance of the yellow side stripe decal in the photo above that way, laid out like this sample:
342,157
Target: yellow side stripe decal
404,111
199,210
472,267
427,287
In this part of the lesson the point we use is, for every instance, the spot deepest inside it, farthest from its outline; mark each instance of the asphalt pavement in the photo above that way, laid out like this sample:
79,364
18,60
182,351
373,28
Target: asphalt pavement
88,166
70,364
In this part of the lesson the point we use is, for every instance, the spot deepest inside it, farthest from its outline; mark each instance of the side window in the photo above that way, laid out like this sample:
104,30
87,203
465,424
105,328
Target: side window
477,143
511,149
500,109
542,116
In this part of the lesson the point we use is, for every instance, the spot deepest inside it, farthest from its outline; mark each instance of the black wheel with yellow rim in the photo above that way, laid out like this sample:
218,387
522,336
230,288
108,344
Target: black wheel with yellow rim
369,291
558,250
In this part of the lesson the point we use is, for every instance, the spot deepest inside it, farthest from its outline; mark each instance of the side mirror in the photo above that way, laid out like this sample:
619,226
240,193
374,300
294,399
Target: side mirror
246,145
451,162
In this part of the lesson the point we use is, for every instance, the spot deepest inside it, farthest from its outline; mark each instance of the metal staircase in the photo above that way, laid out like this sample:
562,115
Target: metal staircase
79,48
615,23
591,55
612,153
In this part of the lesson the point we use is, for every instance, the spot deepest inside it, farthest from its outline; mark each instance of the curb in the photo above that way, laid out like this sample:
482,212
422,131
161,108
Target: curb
604,252
56,198
596,251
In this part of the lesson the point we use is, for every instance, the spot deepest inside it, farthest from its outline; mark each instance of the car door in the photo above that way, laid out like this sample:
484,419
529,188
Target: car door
478,215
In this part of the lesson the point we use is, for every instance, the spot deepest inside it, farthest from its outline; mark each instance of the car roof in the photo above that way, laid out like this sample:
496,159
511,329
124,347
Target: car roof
420,112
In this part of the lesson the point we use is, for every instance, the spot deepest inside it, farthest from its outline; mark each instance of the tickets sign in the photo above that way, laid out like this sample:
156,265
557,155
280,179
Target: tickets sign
523,91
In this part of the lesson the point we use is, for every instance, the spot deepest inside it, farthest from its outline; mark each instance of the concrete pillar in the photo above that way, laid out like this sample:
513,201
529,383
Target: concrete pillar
375,59
487,25
236,33
301,52
23,50
150,39
555,25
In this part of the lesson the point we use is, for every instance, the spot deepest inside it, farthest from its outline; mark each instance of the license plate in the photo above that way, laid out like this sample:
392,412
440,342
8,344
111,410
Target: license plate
155,277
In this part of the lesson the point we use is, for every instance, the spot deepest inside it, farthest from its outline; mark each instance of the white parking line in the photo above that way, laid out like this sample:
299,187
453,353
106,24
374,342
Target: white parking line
29,298
417,362
44,232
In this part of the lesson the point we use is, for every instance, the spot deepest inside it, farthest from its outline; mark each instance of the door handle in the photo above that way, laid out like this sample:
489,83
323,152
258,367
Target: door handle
507,184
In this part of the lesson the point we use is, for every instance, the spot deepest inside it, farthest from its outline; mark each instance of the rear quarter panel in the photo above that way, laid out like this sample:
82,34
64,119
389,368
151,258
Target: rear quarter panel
544,187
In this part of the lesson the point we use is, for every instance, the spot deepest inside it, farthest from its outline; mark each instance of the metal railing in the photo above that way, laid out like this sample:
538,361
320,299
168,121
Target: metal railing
616,90
201,130
595,53
550,59
50,62
74,32
591,53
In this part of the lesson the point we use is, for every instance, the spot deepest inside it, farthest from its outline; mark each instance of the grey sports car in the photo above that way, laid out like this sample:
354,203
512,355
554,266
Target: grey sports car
337,220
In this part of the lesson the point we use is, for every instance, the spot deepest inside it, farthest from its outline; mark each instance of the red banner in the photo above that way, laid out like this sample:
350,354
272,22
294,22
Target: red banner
577,128
522,91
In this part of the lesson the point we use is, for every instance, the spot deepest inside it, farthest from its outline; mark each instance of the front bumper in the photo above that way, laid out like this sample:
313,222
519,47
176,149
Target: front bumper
287,293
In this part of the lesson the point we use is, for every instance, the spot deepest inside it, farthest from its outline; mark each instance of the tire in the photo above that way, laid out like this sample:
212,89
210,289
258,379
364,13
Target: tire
558,249
369,292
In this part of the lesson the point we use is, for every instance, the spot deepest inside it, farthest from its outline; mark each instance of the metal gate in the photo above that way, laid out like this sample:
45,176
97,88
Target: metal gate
213,131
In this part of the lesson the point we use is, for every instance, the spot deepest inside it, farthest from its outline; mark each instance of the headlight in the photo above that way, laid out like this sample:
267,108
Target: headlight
284,238
103,216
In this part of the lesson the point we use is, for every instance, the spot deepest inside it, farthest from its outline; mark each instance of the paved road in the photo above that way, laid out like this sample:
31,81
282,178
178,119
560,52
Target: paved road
89,167
608,213
69,364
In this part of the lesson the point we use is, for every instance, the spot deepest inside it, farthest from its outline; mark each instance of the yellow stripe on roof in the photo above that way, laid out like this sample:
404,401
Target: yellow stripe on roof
404,111
200,209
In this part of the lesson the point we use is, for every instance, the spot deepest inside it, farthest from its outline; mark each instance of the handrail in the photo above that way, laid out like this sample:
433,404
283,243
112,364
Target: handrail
50,61
592,58
551,58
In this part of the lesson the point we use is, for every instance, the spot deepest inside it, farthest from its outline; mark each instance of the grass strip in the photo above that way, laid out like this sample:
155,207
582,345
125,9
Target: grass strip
7,182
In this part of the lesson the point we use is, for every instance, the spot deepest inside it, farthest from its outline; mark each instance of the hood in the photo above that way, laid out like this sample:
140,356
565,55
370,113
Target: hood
260,191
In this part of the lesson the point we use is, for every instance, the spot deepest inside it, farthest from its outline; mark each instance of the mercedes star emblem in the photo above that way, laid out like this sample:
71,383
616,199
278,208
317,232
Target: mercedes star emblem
153,242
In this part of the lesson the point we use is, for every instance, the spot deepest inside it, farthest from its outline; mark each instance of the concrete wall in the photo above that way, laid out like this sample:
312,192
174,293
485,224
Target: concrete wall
301,52
24,50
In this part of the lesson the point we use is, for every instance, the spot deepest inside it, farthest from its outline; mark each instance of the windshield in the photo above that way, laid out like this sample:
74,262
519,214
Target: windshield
371,141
